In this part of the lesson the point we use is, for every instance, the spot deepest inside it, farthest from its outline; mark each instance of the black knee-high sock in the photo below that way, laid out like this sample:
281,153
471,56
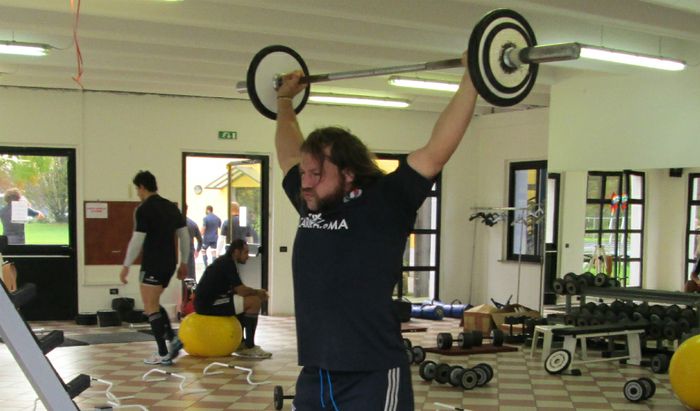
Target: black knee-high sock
169,334
158,327
249,322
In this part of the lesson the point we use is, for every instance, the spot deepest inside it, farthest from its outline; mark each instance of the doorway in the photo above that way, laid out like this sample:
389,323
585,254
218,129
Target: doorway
234,187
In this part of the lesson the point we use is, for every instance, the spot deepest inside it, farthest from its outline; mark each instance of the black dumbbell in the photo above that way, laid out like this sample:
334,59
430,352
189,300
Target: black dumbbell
660,363
671,330
639,390
442,373
601,280
497,337
484,373
617,306
418,354
559,286
673,312
279,397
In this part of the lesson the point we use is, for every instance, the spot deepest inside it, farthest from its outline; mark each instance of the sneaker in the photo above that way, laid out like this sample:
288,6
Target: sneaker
253,352
174,348
156,359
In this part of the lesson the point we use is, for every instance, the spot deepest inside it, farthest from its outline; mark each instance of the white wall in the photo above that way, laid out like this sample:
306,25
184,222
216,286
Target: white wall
115,135
644,121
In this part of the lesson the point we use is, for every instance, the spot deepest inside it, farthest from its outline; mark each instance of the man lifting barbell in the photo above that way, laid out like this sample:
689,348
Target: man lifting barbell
348,252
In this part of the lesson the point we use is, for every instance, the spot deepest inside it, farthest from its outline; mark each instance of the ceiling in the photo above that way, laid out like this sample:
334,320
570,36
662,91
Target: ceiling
204,47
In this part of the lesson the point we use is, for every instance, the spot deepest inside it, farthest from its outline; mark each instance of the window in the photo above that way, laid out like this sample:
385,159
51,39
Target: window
693,225
421,261
527,183
614,227
34,196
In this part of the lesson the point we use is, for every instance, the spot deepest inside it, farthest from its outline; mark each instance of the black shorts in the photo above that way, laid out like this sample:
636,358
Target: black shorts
388,390
229,308
155,278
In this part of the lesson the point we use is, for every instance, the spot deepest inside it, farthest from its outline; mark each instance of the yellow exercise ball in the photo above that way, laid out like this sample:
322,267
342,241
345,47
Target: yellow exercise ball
209,335
685,373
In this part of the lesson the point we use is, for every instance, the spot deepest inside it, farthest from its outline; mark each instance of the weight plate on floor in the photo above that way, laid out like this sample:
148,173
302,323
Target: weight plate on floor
634,391
455,378
262,71
469,379
482,376
649,387
427,370
442,373
659,363
497,32
557,361
488,369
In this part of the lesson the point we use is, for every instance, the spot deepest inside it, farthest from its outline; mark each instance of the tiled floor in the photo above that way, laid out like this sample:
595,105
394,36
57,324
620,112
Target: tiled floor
519,383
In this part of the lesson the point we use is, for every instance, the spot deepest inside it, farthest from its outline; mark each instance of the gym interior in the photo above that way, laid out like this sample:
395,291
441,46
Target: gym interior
594,170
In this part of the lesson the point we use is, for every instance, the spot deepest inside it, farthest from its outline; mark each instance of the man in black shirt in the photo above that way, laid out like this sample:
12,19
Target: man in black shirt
221,292
347,256
157,221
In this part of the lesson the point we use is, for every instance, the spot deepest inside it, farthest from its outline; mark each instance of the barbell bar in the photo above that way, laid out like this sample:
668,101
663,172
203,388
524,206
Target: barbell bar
502,55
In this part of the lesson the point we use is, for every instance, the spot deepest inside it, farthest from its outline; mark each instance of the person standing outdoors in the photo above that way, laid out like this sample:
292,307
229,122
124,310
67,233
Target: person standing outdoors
210,233
12,230
347,254
157,221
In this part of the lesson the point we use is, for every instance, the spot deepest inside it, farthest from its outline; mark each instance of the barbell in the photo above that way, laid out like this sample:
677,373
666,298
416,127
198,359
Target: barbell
502,54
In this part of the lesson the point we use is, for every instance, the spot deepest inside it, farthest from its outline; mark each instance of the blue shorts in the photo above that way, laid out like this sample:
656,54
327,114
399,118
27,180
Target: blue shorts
388,390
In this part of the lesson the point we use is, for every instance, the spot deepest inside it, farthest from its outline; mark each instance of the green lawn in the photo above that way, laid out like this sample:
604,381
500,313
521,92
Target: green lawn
46,233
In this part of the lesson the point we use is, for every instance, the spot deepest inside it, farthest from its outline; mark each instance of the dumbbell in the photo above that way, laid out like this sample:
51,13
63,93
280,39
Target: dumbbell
463,377
559,286
467,339
418,355
617,306
601,280
279,397
673,312
639,390
660,363
671,329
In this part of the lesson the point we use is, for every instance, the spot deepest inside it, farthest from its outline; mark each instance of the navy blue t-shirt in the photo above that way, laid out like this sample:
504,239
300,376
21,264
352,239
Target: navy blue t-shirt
159,218
345,265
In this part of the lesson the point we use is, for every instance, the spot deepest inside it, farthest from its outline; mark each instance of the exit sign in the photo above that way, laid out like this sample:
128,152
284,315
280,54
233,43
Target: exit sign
228,135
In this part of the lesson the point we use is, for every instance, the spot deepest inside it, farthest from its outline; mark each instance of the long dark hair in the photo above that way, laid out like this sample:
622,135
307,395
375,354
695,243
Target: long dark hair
347,152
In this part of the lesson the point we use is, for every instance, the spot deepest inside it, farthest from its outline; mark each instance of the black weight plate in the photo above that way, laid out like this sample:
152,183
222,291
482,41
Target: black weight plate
407,343
557,361
659,363
634,391
496,83
649,387
418,354
455,378
559,286
497,337
488,369
442,373
260,79
466,340
278,397
481,376
427,370
469,379
572,287
410,355
601,280
444,341
478,338
570,276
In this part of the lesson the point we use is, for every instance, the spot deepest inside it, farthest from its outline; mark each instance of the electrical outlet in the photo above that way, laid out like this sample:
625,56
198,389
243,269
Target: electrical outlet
114,291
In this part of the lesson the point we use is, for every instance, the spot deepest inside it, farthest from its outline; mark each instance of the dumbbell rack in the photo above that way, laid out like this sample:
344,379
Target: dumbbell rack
638,294
36,367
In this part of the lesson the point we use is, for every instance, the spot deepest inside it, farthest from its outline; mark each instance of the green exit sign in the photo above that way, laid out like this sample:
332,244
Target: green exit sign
228,135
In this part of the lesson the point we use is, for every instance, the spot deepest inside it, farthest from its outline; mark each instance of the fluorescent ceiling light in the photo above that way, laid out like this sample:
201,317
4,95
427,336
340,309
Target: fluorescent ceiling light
635,59
358,100
423,84
24,49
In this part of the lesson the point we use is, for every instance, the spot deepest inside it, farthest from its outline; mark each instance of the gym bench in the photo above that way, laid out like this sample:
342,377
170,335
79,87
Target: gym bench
562,360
